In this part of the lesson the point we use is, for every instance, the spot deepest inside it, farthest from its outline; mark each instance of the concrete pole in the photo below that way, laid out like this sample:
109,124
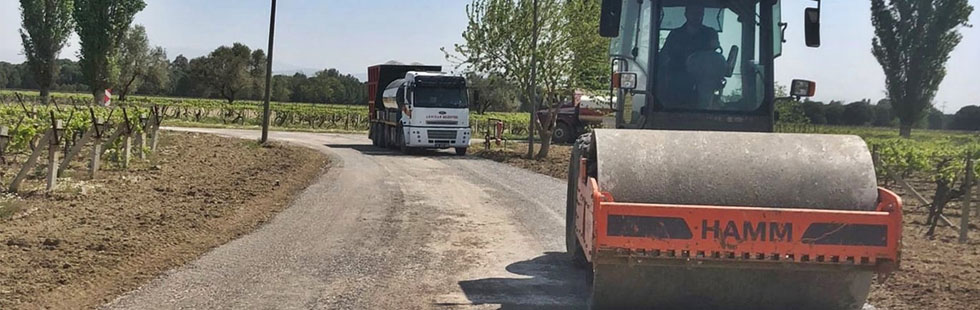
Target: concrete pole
967,202
93,171
52,164
127,151
141,145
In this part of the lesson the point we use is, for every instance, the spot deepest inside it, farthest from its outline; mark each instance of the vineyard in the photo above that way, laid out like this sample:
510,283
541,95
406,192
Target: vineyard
928,153
288,116
27,130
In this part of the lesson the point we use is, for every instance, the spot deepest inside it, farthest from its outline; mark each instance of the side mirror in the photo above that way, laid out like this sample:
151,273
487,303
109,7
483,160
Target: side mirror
803,88
732,59
624,80
609,18
811,23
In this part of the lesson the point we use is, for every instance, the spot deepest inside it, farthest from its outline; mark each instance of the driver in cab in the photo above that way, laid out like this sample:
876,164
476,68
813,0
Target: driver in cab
690,60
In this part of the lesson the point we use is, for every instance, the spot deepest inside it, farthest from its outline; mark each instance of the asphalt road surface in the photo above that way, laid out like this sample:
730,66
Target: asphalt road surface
382,230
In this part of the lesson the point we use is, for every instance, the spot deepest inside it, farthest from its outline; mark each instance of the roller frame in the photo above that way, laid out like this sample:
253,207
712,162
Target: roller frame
658,248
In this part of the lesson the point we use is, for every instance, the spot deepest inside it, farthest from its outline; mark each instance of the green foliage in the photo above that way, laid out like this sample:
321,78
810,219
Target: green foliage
46,27
815,111
504,38
790,112
932,153
134,59
967,118
227,71
590,63
940,158
156,79
913,40
26,125
491,93
858,113
883,114
101,25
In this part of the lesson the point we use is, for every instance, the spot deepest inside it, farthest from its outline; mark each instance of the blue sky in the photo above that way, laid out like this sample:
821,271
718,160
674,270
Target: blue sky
352,34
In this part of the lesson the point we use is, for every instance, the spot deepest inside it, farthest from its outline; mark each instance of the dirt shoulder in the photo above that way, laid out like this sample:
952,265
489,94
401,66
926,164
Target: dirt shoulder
515,154
936,273
92,240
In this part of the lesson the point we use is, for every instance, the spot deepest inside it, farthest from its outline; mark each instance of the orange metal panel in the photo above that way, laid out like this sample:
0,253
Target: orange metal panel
777,235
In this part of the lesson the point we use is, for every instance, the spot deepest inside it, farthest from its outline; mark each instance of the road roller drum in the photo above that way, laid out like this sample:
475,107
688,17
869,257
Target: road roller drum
730,220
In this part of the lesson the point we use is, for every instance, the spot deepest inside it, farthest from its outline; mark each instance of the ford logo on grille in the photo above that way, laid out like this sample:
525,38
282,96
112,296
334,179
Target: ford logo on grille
442,112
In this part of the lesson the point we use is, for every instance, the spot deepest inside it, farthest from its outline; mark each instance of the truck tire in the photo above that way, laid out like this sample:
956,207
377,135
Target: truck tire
572,246
374,134
402,146
461,151
389,137
562,133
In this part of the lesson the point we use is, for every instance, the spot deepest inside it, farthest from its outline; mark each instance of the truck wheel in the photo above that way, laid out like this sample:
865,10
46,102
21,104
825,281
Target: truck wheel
374,134
562,134
461,151
382,136
402,146
389,137
572,246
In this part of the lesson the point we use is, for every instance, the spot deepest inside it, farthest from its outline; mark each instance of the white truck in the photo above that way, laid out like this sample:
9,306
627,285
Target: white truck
418,107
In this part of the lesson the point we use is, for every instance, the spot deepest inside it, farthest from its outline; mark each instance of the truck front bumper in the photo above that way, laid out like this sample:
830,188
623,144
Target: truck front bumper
436,137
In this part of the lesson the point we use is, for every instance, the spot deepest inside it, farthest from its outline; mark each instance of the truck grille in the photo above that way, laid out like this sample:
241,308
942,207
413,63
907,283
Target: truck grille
442,122
442,134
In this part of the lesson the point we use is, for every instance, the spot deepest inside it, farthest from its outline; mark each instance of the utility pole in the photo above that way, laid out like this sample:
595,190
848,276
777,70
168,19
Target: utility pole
533,89
268,76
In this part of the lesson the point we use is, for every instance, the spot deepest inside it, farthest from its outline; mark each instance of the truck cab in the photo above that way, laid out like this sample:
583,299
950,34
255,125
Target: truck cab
421,110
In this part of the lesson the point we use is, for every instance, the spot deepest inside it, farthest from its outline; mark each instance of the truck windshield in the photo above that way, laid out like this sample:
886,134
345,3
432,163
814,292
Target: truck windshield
438,97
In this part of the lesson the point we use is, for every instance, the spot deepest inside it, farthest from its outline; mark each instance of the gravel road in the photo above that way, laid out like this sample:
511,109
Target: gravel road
383,230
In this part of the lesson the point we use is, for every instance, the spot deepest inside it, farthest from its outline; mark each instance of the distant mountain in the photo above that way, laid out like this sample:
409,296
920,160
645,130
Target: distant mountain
289,69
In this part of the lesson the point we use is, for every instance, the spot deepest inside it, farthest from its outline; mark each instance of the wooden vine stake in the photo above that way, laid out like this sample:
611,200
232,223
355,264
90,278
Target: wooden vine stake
90,134
31,162
967,202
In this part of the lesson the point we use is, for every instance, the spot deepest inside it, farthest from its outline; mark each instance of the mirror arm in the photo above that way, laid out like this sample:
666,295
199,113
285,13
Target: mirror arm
782,32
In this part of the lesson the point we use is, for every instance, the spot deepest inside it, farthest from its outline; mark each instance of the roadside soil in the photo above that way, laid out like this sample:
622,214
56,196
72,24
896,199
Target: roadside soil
515,154
91,240
937,273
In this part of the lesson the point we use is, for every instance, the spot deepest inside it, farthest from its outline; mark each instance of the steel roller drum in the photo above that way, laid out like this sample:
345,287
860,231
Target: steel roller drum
707,288
736,169
733,169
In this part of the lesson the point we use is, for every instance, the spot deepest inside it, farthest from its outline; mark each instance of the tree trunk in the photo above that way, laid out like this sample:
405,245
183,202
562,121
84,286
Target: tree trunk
97,96
533,85
124,92
546,131
905,129
45,95
530,129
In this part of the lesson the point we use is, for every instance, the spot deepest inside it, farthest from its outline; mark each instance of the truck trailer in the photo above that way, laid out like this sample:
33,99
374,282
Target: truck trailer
418,107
